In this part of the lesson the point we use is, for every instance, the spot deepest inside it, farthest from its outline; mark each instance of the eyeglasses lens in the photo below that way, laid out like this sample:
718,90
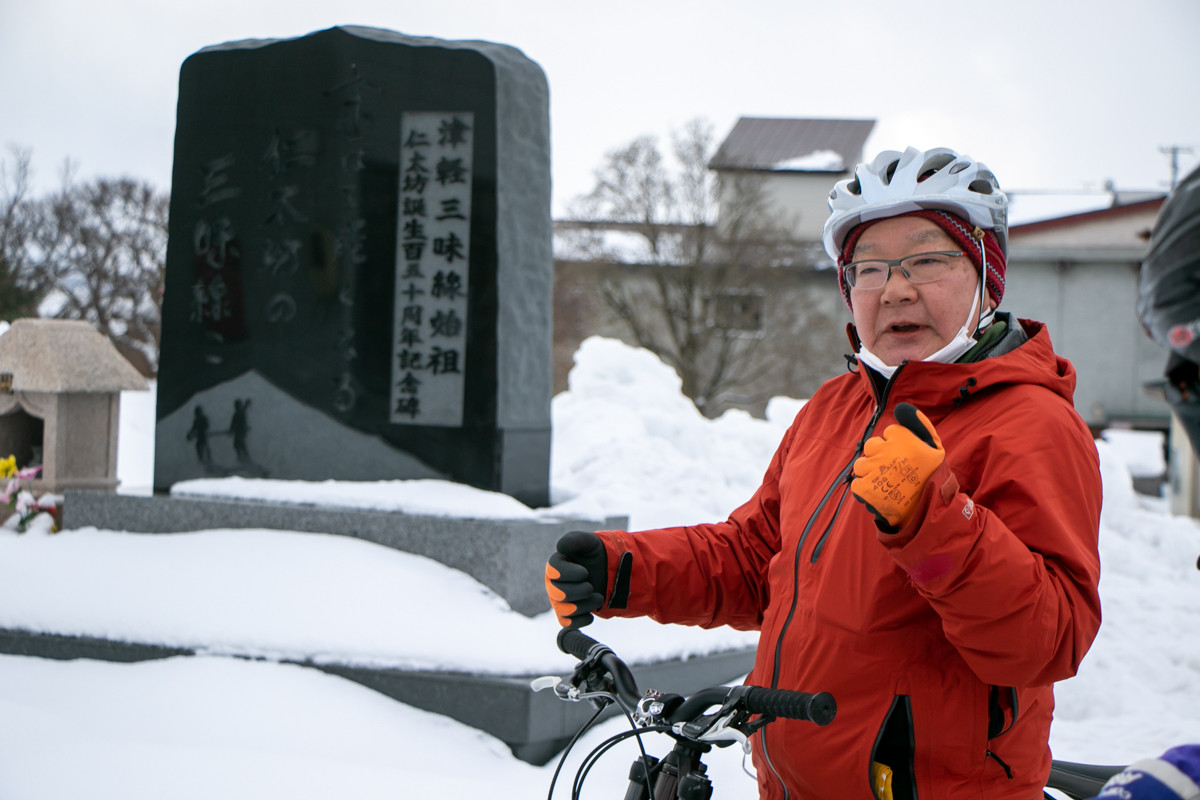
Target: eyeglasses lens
917,268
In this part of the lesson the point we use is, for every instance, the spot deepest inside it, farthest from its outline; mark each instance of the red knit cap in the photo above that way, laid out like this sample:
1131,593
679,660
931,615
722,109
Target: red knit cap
958,230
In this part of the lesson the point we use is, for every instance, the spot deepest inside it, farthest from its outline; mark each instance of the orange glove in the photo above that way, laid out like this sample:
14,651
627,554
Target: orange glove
576,578
893,470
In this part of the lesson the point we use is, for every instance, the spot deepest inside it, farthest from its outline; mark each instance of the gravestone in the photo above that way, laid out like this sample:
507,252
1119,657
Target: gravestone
359,266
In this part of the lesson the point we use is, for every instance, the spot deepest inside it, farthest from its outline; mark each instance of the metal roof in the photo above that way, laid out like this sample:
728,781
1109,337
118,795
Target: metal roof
797,145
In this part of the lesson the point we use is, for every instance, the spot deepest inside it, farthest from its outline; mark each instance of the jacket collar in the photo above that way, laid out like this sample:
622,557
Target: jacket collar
1024,354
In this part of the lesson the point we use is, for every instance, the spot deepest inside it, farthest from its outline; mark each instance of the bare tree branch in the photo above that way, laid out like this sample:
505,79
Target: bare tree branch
667,212
93,251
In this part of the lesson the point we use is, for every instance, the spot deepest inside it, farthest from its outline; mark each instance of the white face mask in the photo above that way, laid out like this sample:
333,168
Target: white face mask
959,344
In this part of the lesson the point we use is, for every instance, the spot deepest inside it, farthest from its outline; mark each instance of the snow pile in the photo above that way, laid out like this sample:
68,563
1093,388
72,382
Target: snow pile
428,497
1139,686
816,161
284,595
627,442
1143,452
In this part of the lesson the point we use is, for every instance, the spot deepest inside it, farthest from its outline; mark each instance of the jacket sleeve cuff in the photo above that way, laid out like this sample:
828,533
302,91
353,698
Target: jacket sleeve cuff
941,488
620,570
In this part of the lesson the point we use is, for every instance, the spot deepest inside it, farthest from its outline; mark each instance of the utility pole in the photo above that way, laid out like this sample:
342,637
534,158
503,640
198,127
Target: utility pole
1173,151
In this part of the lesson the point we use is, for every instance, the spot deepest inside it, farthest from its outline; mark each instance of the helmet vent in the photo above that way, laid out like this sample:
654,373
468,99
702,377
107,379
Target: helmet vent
959,167
891,170
981,186
932,165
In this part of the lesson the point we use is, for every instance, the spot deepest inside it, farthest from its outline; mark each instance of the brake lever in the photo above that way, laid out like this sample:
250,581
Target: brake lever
729,723
722,728
546,682
570,690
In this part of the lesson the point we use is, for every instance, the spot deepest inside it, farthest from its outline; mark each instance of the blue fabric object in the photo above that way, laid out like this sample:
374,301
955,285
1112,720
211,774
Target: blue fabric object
1175,775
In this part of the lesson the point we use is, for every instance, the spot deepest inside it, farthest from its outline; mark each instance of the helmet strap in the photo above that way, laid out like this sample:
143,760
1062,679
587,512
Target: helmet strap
985,316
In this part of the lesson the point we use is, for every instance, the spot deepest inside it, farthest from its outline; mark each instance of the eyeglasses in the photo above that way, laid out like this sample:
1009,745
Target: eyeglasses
918,268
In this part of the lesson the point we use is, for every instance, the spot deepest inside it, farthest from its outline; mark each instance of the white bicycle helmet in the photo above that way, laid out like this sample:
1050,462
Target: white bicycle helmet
897,183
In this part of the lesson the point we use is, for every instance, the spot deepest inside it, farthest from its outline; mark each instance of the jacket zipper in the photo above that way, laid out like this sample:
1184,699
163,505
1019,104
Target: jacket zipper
881,399
836,511
842,480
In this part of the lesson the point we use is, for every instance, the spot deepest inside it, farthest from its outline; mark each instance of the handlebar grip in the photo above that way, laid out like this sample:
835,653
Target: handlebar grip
819,708
575,642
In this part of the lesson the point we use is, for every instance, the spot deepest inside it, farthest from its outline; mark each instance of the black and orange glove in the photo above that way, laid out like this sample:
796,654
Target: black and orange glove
576,578
892,472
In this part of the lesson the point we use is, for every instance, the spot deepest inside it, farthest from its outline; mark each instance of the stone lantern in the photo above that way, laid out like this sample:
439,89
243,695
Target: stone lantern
60,395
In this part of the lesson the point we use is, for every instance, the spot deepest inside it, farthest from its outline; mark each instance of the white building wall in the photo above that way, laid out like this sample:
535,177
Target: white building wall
802,199
1090,311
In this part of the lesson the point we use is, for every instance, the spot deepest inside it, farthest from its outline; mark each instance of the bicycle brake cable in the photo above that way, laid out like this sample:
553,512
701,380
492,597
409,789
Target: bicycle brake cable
601,749
562,760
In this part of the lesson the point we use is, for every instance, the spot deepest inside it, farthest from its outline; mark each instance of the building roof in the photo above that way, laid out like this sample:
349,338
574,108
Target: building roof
1106,211
1027,207
793,145
64,356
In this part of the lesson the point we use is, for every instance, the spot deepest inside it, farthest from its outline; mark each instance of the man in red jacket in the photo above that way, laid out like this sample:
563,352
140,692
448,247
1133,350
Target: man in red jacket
924,542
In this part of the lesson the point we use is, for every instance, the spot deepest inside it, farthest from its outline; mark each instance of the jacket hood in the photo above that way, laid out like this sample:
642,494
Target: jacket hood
930,385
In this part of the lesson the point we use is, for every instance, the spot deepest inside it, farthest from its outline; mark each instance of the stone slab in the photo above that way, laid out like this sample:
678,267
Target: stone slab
506,555
534,725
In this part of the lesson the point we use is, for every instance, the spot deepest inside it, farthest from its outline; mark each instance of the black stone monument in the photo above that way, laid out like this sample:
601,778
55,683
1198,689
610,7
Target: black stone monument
359,266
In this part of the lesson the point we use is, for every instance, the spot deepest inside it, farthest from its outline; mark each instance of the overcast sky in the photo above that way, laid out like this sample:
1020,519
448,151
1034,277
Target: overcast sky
1051,94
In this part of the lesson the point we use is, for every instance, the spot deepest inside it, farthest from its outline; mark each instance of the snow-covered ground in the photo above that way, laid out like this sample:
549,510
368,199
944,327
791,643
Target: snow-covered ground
625,442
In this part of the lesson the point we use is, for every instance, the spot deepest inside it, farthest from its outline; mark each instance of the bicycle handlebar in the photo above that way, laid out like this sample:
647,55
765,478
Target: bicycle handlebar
819,708
607,674
575,642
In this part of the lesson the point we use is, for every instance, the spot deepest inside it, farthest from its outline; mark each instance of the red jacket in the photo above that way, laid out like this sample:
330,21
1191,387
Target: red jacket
940,643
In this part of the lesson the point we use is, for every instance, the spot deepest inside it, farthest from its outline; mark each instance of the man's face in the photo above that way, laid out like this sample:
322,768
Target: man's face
904,321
